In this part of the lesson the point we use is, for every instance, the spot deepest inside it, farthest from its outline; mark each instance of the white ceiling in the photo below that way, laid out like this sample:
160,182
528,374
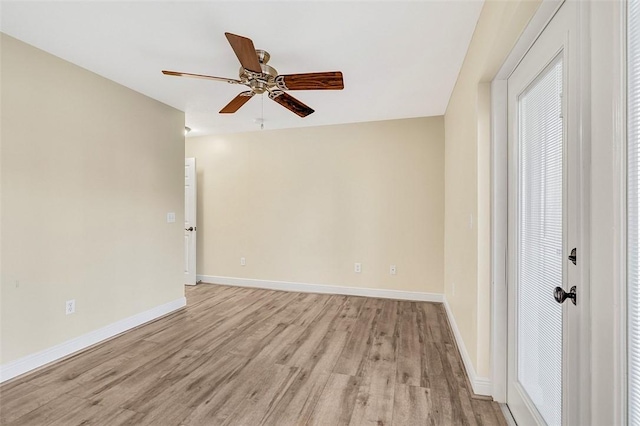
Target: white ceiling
399,59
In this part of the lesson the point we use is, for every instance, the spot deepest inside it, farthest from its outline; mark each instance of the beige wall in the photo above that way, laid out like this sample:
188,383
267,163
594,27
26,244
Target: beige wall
303,205
467,173
89,170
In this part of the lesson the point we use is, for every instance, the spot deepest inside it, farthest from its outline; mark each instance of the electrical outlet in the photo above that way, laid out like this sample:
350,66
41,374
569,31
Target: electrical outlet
70,306
392,269
357,268
243,261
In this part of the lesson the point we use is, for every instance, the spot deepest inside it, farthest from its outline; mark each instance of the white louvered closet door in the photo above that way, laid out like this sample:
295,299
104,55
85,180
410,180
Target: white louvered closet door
633,206
542,227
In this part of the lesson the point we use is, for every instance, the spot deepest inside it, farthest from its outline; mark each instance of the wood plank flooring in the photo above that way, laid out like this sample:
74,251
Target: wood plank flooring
239,356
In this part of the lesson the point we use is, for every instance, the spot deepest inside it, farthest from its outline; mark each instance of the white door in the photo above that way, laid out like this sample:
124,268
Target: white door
543,230
190,221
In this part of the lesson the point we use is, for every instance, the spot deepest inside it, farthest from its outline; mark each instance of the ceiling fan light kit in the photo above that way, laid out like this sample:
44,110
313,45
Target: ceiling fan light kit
262,78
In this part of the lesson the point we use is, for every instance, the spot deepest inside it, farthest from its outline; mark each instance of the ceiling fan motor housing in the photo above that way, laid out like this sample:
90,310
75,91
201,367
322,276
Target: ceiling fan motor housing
259,83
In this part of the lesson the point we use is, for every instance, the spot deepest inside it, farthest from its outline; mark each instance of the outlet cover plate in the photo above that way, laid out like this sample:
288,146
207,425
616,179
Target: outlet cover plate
70,306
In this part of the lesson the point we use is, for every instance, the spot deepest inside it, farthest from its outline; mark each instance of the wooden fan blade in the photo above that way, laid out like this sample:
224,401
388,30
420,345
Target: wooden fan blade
206,77
290,103
311,81
245,51
237,102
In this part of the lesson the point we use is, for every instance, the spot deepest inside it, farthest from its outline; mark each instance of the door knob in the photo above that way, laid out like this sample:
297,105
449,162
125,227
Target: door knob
560,295
189,228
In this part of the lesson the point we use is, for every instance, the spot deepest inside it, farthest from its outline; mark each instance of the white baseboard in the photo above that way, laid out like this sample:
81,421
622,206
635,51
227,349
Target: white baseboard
480,385
323,288
38,359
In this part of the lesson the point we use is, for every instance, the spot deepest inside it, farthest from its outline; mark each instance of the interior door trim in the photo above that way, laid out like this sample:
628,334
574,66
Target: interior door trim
499,192
499,206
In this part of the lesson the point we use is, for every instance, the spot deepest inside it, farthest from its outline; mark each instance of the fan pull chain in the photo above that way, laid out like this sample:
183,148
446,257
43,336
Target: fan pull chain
262,114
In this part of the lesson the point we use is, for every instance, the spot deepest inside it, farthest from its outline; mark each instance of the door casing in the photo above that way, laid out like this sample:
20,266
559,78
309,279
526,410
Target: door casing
499,206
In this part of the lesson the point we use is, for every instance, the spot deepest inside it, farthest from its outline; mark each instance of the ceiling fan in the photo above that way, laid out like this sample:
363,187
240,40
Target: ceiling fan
261,78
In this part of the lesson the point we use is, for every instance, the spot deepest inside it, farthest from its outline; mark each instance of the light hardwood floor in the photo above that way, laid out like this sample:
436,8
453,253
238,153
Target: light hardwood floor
243,356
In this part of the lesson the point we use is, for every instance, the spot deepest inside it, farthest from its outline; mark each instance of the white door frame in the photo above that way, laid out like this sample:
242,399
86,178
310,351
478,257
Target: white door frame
609,128
499,206
619,139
